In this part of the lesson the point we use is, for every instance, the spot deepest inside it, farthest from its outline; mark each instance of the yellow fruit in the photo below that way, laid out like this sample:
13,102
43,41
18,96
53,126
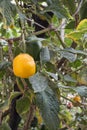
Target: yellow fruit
24,65
77,98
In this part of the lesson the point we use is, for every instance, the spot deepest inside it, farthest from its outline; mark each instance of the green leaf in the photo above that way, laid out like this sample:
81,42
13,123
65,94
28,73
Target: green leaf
83,10
50,67
77,35
17,50
57,8
34,39
49,108
13,95
69,56
33,46
76,64
5,126
75,51
82,91
7,9
52,75
82,25
4,105
68,78
4,65
70,4
44,55
39,82
22,105
70,25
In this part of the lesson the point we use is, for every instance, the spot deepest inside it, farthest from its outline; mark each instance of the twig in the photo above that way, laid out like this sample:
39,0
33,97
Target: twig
42,31
67,98
30,20
12,39
24,83
74,45
29,118
73,101
61,41
10,49
19,87
79,7
81,67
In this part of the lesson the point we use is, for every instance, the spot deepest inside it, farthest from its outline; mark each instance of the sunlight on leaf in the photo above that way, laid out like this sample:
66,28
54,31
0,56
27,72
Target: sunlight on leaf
82,25
77,35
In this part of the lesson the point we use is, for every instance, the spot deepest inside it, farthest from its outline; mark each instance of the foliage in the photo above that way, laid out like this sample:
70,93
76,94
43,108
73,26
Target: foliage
54,33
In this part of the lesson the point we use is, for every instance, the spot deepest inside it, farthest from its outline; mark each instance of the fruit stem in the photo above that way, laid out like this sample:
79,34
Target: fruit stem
24,83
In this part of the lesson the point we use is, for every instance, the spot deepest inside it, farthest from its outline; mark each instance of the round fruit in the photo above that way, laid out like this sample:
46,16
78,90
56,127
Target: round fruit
24,65
77,98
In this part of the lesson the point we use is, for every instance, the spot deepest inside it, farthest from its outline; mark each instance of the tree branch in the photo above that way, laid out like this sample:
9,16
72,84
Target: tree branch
79,7
42,31
29,118
61,41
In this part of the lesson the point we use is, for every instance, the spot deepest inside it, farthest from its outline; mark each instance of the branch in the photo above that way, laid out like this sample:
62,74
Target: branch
11,39
73,101
10,50
42,31
79,7
14,39
30,20
67,98
61,41
29,118
24,84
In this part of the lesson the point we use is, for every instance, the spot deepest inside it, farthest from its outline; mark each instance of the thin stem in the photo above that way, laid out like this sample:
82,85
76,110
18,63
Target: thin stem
73,101
42,31
67,98
12,39
30,20
29,118
61,41
24,83
18,84
1,54
10,49
79,7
